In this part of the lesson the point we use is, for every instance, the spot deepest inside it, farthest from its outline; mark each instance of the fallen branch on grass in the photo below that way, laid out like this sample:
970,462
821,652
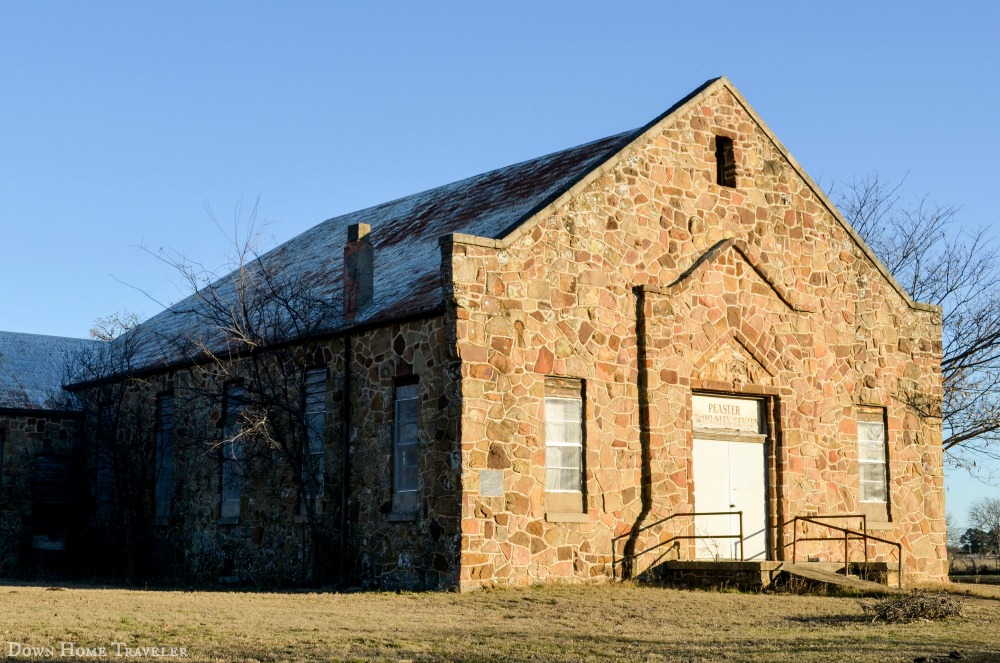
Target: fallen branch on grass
912,607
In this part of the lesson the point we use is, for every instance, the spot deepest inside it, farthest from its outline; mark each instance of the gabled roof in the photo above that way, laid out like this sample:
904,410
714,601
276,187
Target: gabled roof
405,234
33,369
492,209
657,126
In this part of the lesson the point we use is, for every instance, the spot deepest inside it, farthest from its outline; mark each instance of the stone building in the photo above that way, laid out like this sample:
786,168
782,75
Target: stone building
39,431
540,373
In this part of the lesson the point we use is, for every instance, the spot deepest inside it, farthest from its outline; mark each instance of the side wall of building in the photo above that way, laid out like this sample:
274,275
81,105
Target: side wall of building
27,436
270,542
653,283
417,550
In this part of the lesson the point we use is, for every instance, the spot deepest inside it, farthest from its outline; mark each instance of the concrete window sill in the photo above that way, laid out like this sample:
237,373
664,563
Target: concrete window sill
567,517
880,526
402,517
228,520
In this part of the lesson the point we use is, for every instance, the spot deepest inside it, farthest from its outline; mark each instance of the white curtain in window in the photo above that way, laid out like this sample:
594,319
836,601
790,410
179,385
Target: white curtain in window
871,461
563,444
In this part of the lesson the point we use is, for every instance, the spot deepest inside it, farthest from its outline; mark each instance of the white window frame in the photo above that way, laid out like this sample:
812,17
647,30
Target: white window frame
873,453
555,439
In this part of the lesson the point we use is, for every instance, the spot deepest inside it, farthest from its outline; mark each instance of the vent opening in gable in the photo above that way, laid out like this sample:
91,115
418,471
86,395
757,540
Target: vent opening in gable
725,162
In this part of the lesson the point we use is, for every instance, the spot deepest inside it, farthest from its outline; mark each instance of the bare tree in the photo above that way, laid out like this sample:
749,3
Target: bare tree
119,446
953,532
253,324
984,515
940,262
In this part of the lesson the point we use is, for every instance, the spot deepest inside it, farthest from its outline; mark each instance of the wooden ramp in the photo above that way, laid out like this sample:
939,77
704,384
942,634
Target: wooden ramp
812,574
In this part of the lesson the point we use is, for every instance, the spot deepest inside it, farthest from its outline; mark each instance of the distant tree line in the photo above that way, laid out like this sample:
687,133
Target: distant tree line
983,538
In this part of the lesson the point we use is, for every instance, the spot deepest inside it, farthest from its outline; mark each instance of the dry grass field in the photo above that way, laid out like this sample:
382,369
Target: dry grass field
596,623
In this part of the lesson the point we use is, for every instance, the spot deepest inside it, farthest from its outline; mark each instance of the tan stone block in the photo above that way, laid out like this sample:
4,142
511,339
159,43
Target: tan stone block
517,503
474,559
555,536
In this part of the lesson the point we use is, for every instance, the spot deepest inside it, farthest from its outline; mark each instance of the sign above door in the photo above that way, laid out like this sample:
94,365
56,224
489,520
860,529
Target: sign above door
724,413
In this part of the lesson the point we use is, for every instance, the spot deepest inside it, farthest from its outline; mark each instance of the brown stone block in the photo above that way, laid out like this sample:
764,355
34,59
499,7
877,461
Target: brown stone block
502,345
517,503
481,371
498,457
501,363
545,361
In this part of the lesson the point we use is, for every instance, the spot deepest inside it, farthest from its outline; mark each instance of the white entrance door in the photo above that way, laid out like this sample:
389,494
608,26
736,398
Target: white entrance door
729,476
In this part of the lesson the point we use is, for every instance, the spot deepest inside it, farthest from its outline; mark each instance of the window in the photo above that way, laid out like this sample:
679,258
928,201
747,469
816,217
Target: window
232,451
725,162
164,492
564,444
871,457
105,480
406,464
313,469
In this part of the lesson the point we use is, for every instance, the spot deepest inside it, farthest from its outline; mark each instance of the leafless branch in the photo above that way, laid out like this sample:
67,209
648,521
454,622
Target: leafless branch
939,262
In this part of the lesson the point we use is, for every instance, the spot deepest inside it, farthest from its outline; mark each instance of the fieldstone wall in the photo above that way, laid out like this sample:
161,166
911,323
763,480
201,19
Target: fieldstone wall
650,282
265,545
26,435
393,550
271,543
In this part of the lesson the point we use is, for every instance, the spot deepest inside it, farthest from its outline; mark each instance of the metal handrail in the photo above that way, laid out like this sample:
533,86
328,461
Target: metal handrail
848,536
690,514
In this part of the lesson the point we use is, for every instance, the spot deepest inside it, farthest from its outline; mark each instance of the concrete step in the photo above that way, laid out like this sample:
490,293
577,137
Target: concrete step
809,571
829,567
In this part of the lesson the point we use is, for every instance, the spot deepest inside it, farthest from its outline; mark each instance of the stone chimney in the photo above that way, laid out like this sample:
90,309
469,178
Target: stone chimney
359,263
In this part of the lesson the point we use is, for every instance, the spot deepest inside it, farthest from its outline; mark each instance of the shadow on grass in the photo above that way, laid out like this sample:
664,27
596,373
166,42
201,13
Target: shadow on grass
52,585
829,620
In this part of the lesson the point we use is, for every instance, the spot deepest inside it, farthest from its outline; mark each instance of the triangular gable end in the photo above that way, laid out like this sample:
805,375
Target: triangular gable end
658,125
788,298
732,358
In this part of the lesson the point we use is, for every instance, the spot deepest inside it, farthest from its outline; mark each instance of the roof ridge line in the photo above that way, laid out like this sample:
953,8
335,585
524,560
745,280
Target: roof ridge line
529,222
53,336
394,201
536,216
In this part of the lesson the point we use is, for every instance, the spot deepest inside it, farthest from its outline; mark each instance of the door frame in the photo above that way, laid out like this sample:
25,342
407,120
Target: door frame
773,486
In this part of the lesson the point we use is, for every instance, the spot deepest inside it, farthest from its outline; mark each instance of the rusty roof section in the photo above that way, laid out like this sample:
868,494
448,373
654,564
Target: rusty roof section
404,236
33,369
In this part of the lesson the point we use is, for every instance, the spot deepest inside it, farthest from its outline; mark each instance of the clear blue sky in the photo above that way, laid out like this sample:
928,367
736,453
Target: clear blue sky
122,122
